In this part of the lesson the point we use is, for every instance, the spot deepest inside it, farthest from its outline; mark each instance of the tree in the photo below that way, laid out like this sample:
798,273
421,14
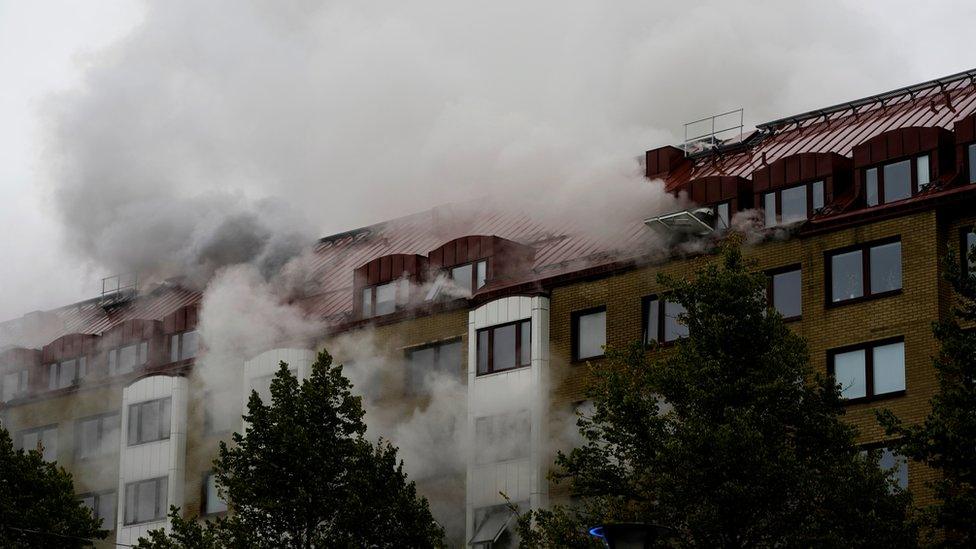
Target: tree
946,440
729,438
304,475
38,505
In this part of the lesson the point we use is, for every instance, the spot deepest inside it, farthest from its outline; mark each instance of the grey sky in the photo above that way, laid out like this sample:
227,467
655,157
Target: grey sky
132,132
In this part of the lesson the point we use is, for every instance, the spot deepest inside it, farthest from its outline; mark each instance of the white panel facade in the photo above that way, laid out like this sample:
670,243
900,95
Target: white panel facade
523,480
159,458
267,364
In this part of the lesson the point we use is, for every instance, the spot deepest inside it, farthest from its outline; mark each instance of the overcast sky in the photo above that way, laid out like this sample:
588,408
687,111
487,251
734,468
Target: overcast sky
123,123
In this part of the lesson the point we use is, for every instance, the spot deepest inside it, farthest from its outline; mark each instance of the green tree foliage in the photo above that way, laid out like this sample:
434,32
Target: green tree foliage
729,438
38,505
304,475
946,440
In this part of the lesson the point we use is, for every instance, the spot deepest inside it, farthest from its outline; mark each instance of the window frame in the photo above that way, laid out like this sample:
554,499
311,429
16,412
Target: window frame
491,347
204,500
868,348
886,445
209,397
437,346
727,224
778,198
40,429
474,273
139,439
866,293
110,526
770,292
112,356
81,371
913,174
160,481
399,299
23,384
970,152
180,357
660,340
79,435
575,338
964,233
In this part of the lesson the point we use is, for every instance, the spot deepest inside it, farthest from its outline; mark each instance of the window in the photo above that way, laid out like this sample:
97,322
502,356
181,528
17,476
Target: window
44,439
221,412
183,345
125,359
503,437
14,384
425,363
967,242
384,299
102,506
212,502
149,421
869,370
868,270
661,323
262,385
971,156
785,292
145,501
504,347
896,180
794,203
67,373
471,276
97,436
723,218
589,333
889,461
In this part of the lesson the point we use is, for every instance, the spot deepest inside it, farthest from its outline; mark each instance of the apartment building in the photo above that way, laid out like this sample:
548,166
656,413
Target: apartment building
851,207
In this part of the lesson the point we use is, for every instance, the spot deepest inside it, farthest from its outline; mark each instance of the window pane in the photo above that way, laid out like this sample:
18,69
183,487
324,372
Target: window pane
110,434
592,334
871,182
106,510
849,371
49,439
449,359
897,181
149,421
133,431
67,374
818,195
214,503
88,443
723,215
898,464
10,385
503,348
651,314
672,328
386,298
164,417
886,267
846,279
786,293
483,352
82,367
190,343
174,347
130,503
367,302
420,363
922,170
889,368
482,273
972,162
769,205
262,385
127,358
794,204
969,254
143,352
28,441
146,501
526,358
162,504
461,276
52,377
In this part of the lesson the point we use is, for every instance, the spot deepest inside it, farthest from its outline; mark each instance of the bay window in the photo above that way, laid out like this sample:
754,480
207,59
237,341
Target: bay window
504,347
149,421
145,500
896,180
869,370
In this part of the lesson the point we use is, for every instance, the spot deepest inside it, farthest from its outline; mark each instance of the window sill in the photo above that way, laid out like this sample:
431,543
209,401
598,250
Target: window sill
586,359
147,442
874,398
505,371
862,299
789,319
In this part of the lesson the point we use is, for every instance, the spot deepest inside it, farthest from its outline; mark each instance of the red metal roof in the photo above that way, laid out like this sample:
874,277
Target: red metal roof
558,249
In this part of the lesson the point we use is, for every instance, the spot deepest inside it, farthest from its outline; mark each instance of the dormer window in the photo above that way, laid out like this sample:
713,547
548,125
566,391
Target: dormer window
126,358
793,204
14,385
67,372
722,215
897,180
383,299
470,277
971,158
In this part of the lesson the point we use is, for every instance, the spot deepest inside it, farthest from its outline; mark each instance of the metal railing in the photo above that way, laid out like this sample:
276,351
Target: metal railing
709,132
